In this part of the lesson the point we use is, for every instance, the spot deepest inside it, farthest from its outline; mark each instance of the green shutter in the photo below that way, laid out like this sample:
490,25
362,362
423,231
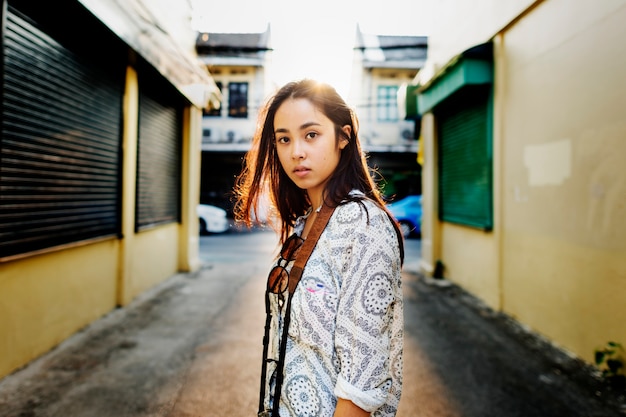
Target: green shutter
412,112
465,160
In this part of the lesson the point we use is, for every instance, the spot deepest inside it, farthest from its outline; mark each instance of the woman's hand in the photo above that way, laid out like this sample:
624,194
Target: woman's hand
346,408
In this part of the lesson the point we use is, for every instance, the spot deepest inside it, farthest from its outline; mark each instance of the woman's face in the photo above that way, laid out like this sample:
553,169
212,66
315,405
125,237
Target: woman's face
306,145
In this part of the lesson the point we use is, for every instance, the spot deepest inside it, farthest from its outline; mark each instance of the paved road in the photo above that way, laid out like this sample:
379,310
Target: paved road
192,347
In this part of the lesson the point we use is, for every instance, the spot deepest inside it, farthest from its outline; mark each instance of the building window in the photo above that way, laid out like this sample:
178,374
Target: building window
214,112
387,103
238,100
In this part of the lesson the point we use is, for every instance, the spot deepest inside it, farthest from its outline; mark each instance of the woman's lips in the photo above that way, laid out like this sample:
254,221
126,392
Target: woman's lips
301,171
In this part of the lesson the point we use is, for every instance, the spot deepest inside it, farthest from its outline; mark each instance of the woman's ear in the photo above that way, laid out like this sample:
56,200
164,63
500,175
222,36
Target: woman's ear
347,129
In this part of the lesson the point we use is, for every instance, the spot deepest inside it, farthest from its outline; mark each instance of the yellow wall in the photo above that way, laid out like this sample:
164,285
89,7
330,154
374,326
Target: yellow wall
556,260
575,295
470,259
431,226
45,298
150,256
125,292
189,245
565,179
154,258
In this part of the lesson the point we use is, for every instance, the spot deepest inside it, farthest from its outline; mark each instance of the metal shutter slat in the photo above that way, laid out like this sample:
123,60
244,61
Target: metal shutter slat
60,151
159,159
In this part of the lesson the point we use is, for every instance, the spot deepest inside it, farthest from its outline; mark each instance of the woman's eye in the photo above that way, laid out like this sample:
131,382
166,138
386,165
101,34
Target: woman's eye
311,135
282,139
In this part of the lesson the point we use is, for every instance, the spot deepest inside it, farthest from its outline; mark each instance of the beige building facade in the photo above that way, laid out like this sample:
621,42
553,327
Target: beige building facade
382,67
90,224
550,249
241,65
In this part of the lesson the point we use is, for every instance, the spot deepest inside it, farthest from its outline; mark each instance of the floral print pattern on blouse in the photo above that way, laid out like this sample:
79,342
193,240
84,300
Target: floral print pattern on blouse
346,332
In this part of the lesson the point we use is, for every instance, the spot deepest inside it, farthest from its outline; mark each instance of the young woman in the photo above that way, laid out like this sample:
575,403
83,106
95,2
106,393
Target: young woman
343,349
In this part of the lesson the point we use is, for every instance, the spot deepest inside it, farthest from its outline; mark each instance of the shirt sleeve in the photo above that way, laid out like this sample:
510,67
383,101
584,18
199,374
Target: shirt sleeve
367,316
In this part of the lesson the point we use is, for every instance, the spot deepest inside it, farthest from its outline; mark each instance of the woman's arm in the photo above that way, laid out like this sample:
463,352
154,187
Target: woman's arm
368,332
346,408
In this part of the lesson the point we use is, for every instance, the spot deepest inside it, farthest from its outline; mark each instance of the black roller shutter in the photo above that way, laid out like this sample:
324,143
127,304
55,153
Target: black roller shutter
60,149
465,158
158,155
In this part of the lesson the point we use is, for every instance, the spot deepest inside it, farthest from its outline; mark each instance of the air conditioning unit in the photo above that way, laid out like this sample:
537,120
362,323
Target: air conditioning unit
211,134
207,135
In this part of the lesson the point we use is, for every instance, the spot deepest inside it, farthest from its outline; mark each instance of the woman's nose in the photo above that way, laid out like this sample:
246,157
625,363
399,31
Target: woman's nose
297,151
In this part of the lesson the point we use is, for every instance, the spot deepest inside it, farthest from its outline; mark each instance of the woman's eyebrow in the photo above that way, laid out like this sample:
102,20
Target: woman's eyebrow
308,125
304,126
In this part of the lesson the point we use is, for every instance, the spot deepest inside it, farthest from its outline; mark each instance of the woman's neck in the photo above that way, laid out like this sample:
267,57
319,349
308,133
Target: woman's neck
316,200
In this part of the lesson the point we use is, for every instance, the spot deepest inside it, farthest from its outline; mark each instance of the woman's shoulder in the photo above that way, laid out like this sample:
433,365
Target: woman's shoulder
365,222
358,210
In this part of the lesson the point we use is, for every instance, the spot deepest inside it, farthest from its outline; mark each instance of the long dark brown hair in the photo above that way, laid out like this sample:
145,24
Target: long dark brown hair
263,173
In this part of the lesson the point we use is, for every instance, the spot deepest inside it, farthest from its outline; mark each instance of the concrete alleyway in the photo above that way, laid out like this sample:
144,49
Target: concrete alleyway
192,347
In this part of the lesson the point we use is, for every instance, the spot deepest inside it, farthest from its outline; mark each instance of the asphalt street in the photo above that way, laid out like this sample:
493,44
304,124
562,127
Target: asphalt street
192,347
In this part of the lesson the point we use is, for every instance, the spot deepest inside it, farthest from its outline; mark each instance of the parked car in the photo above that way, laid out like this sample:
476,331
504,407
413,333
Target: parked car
212,219
408,212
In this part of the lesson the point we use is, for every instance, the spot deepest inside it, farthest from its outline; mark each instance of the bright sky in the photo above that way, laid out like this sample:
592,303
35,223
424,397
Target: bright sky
314,38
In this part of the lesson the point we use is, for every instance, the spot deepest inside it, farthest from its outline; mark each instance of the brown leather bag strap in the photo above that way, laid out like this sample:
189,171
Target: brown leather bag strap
309,244
294,277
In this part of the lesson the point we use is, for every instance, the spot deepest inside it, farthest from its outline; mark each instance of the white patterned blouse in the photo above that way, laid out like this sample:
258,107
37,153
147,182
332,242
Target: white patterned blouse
346,332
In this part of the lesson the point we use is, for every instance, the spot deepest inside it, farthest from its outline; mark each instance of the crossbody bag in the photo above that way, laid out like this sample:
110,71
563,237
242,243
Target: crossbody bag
295,274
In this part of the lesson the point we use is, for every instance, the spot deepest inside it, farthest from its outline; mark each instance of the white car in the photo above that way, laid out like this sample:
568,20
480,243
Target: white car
212,219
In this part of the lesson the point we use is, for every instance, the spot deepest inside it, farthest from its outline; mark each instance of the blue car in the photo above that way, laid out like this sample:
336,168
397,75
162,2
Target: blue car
408,212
